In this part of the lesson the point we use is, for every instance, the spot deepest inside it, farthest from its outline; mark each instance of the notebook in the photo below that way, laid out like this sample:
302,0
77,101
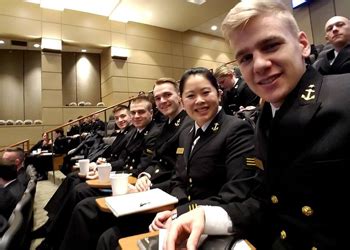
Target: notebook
137,202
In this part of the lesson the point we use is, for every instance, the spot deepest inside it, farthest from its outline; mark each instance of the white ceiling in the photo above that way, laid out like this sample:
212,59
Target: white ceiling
178,15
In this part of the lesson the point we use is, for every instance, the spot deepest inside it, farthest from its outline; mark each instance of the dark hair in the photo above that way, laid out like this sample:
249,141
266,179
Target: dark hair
8,170
206,73
120,107
18,151
143,98
163,80
59,131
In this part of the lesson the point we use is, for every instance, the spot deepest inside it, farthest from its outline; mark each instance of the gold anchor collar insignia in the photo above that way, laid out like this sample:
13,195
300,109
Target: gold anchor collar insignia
177,123
146,133
309,93
215,127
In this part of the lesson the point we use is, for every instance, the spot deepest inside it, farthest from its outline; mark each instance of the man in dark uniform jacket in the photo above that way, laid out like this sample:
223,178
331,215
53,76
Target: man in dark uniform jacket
162,167
336,60
303,133
236,92
11,190
16,155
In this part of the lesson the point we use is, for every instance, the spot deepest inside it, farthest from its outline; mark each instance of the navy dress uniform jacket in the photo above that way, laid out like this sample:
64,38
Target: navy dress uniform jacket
221,170
162,166
341,64
306,148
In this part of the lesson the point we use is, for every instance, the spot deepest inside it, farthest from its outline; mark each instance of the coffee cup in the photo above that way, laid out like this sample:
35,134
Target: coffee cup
104,171
119,183
84,166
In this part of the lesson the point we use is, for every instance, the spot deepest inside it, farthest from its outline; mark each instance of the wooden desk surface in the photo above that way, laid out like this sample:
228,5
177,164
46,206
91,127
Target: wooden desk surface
101,203
107,184
130,243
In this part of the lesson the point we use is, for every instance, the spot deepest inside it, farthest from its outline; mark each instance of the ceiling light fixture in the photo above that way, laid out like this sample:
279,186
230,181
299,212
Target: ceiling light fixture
51,45
2,42
198,2
83,50
37,45
119,53
52,4
214,27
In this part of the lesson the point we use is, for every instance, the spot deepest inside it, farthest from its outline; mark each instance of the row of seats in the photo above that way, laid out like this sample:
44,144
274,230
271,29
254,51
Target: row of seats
21,122
82,103
17,235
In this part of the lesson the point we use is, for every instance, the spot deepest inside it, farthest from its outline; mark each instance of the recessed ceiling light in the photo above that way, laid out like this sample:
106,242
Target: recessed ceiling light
214,27
83,50
2,42
199,2
37,45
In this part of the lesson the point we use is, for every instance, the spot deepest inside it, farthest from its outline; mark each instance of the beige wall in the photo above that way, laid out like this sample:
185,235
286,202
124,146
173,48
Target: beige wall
153,52
312,18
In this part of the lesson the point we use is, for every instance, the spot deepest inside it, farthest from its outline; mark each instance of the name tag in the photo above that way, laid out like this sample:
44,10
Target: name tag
180,151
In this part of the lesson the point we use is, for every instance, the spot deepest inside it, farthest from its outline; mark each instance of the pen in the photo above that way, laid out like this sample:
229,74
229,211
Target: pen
144,203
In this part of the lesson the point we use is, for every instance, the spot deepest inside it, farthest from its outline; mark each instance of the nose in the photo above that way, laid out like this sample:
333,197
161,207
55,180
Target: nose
261,63
199,99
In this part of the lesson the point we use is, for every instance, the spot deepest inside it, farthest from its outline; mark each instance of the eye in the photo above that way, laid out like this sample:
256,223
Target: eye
157,99
206,92
271,47
245,58
132,112
190,96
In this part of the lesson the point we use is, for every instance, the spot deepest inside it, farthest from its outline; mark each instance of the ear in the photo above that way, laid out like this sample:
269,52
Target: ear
220,94
326,37
304,44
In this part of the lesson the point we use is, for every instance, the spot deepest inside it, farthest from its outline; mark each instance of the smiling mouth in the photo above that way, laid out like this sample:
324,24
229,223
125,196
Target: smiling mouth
269,80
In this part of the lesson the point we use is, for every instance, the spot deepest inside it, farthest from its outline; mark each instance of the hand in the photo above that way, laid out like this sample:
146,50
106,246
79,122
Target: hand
91,175
143,184
161,221
188,226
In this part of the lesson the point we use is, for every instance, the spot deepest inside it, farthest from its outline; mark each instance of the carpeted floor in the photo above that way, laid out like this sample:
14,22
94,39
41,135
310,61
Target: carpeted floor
44,191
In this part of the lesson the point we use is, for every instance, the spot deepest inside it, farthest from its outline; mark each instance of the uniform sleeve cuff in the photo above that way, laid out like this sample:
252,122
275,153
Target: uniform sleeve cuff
217,221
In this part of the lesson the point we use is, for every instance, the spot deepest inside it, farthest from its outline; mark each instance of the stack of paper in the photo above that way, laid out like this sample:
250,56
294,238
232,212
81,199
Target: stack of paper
138,202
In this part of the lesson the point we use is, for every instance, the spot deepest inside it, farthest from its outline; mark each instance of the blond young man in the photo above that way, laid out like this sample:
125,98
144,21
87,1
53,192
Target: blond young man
302,134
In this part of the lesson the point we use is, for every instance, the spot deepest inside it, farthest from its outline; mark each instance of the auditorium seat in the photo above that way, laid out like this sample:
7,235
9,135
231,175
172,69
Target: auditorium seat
100,104
2,122
19,122
38,122
28,122
10,122
12,237
72,104
88,103
82,103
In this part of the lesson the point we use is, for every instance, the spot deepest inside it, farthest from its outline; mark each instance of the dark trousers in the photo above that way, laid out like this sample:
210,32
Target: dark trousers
88,222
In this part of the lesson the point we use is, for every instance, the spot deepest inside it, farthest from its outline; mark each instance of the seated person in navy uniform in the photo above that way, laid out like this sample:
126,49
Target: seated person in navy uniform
337,59
236,92
303,135
16,155
11,190
44,144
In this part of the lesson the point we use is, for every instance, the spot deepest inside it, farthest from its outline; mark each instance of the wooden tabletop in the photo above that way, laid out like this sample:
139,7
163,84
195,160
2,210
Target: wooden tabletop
107,184
130,243
101,203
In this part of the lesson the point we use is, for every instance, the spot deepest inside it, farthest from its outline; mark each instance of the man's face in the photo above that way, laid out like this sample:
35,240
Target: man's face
140,115
271,59
226,82
338,31
122,118
167,99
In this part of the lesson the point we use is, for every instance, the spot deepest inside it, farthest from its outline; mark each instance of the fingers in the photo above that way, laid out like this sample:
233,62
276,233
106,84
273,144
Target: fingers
159,221
143,184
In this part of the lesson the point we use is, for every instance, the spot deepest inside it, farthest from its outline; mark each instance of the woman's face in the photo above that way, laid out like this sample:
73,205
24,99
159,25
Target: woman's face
44,136
200,99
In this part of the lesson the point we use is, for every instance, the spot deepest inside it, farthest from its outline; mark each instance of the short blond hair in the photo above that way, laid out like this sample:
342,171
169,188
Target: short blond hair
244,11
169,80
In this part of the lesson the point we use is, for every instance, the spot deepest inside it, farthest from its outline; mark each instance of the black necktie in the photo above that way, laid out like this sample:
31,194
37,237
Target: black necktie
199,132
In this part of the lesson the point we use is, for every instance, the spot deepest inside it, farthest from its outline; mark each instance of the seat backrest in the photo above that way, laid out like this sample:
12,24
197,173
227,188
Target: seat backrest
31,188
25,206
12,237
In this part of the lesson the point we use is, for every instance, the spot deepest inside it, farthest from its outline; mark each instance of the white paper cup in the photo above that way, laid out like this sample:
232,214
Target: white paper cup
103,171
84,166
119,183
39,150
